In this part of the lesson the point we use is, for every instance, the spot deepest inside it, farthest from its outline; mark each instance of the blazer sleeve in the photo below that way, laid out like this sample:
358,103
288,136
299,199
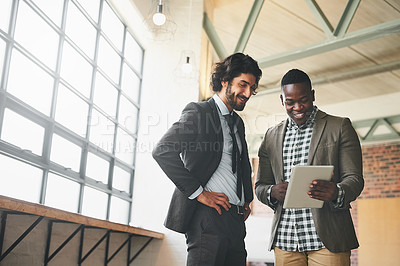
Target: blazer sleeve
167,152
350,163
265,177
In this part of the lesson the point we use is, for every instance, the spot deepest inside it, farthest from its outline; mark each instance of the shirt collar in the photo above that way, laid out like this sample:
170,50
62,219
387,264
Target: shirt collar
308,123
220,104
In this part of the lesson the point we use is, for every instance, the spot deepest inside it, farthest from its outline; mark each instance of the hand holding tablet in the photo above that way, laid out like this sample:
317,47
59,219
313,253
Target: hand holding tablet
299,185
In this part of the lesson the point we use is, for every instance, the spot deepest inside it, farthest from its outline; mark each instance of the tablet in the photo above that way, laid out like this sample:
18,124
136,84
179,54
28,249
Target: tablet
299,184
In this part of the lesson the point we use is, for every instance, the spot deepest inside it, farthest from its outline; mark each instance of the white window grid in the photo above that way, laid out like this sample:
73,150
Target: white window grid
48,122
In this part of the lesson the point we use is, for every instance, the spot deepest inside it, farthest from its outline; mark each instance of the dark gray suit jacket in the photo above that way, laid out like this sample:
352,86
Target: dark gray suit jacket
334,142
189,153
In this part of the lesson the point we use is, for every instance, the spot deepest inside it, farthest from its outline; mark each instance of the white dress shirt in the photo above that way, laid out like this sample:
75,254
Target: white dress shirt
224,180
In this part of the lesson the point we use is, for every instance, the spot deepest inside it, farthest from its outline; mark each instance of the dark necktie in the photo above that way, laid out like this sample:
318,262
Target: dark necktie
236,167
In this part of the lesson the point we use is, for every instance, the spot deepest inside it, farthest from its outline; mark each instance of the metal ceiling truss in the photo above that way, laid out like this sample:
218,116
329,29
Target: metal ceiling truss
363,35
337,77
244,37
387,123
249,25
337,38
321,18
80,228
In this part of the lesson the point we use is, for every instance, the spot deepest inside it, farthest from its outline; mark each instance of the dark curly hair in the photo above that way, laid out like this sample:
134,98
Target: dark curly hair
294,76
232,67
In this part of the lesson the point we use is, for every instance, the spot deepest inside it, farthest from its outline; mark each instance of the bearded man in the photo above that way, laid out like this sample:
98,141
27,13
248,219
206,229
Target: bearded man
205,155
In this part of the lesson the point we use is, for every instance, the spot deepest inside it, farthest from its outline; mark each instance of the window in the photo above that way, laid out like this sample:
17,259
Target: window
62,193
69,106
14,131
27,179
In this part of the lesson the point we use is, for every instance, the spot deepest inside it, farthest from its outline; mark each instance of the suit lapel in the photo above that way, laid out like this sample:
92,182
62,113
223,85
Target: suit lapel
319,126
281,131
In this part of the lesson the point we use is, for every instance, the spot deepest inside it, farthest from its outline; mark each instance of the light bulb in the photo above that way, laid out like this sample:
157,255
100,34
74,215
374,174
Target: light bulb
159,18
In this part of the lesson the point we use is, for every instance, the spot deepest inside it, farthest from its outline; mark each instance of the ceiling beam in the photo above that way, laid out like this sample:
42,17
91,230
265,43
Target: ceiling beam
213,37
321,18
367,34
373,124
248,27
346,18
347,75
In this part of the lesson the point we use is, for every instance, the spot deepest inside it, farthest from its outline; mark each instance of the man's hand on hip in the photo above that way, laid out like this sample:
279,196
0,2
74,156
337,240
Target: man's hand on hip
247,210
214,200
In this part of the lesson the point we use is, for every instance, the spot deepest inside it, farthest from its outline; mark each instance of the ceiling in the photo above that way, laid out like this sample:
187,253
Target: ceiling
350,49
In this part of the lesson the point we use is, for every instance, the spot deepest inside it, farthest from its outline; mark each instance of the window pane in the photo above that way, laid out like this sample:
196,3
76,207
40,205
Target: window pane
79,77
121,179
20,180
133,53
92,7
52,8
109,60
130,83
36,86
5,11
105,95
97,168
62,193
80,30
119,210
15,131
128,114
71,111
94,203
101,131
125,146
2,51
112,26
28,29
65,153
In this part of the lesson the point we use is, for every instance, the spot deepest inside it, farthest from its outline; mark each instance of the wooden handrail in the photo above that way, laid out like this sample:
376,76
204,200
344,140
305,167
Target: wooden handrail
53,213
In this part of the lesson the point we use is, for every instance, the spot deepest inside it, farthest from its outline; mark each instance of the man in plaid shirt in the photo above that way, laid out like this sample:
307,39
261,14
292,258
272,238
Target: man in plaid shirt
310,137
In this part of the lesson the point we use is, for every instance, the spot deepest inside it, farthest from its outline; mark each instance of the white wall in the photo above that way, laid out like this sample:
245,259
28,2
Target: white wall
162,101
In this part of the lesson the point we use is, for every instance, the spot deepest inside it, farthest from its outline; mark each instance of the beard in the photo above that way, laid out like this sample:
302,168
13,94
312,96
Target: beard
232,99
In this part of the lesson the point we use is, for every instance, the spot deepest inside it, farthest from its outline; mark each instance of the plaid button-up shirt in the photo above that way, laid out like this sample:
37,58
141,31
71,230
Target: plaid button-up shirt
296,230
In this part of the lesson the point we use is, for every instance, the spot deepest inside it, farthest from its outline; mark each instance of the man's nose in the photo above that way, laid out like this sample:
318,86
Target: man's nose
297,106
247,92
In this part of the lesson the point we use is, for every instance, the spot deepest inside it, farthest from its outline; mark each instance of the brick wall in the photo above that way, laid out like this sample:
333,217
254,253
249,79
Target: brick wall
381,171
381,166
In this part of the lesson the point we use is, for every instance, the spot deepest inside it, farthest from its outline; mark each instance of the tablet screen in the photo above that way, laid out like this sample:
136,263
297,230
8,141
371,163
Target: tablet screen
299,184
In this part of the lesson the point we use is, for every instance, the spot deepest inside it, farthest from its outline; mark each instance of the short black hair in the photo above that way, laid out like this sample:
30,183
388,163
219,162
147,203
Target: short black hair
294,76
232,67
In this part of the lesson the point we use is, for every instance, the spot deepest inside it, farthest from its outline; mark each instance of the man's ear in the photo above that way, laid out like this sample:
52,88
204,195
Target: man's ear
313,95
280,96
224,83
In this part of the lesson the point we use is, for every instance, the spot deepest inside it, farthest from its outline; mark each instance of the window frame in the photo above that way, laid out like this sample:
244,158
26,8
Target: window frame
51,126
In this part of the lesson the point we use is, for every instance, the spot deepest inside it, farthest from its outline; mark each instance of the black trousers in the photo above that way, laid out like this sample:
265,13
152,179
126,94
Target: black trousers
216,240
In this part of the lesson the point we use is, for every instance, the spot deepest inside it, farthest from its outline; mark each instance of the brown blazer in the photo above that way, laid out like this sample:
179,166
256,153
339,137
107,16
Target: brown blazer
334,142
189,153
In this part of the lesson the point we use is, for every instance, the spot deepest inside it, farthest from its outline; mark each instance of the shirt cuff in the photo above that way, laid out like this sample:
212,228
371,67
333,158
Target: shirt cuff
272,202
338,203
196,193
